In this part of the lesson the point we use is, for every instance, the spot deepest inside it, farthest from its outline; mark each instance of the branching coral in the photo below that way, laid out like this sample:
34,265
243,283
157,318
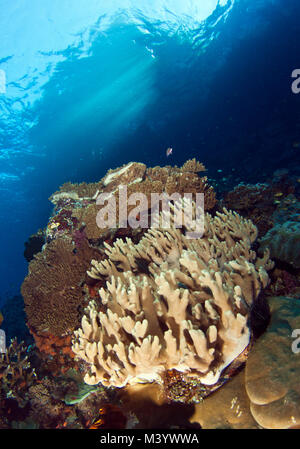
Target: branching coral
172,302
16,373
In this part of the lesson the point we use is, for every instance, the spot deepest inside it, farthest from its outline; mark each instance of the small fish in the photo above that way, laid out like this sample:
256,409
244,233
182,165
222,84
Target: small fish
110,417
169,151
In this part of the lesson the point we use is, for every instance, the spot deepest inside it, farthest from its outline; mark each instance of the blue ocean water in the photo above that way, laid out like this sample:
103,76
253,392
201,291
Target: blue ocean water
85,87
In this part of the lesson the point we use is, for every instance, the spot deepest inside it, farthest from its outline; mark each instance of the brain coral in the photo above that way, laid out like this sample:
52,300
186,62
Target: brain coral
284,242
171,302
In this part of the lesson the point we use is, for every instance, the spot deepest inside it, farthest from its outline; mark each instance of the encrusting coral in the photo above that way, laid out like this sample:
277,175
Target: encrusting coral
172,302
272,369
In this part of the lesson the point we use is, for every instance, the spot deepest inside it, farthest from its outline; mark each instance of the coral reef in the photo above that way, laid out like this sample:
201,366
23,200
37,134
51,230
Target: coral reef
110,417
75,204
262,203
52,290
283,240
255,202
228,409
172,303
272,369
133,172
55,352
183,180
274,209
54,294
16,372
287,209
56,288
48,402
147,409
112,310
284,283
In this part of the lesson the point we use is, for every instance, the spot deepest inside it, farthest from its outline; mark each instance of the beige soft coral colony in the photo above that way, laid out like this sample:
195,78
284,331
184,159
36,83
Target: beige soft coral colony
172,302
